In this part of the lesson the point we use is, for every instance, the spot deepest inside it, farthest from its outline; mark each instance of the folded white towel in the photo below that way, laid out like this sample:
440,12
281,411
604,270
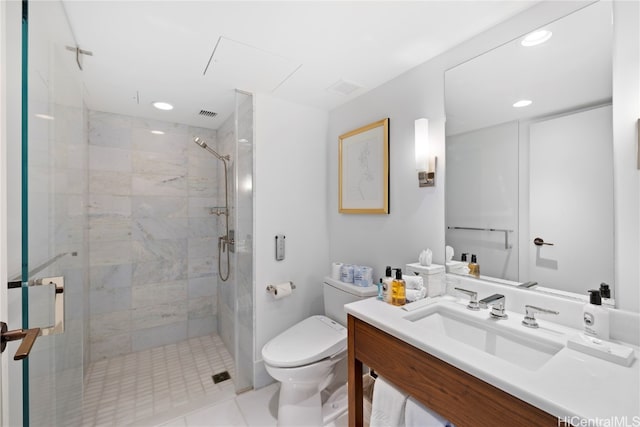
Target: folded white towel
388,405
418,415
415,294
413,282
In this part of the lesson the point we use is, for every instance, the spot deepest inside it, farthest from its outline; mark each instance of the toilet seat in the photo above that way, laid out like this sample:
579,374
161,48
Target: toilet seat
313,339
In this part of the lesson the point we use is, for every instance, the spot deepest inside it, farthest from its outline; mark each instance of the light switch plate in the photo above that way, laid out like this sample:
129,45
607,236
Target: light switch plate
280,247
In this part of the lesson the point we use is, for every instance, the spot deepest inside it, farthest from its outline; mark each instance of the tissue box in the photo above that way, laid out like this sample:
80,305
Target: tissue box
457,267
432,275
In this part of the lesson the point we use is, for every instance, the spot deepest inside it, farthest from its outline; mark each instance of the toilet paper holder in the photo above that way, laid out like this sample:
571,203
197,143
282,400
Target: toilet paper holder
272,289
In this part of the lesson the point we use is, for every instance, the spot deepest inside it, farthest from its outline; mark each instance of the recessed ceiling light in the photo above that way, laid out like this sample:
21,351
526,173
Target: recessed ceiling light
157,132
162,105
536,38
44,116
523,103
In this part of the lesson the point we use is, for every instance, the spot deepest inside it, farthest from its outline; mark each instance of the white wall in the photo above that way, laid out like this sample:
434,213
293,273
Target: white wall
562,152
417,215
483,193
290,191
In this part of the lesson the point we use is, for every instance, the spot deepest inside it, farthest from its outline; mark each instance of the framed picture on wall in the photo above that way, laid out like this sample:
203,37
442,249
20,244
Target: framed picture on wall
363,180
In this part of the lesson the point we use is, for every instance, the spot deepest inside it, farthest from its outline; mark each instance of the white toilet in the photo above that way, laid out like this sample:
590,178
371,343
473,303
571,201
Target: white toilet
304,359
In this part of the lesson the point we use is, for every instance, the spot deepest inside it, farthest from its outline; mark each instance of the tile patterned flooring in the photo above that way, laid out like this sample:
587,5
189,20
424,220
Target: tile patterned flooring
171,386
149,386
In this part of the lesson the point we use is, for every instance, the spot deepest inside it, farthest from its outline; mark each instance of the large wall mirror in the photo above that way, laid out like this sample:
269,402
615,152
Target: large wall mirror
529,156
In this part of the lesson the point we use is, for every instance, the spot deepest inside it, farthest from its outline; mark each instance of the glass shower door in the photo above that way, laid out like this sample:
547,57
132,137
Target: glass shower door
51,223
243,220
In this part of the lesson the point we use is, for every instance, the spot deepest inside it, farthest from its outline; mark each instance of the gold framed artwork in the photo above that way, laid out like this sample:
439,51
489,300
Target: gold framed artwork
363,168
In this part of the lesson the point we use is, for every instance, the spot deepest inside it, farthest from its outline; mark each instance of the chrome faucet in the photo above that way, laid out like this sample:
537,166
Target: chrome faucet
529,317
473,299
497,303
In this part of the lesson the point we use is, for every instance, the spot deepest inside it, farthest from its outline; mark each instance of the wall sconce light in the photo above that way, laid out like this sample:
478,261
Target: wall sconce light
425,163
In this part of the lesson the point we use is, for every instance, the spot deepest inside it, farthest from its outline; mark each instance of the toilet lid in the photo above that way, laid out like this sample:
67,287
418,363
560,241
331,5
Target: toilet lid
311,340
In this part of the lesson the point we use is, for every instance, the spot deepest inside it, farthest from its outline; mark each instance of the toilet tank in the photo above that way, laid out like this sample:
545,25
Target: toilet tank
337,294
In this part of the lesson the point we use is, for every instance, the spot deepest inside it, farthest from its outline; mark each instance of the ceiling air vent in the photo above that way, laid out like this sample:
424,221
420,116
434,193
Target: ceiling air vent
206,113
343,87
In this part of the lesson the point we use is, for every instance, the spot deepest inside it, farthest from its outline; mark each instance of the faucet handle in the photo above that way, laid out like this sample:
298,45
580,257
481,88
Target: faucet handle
473,298
529,317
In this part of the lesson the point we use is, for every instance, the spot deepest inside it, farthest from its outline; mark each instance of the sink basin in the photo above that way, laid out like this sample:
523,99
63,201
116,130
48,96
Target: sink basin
487,335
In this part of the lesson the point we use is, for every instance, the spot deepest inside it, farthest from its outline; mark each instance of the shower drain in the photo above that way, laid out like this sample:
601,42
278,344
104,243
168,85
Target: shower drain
221,376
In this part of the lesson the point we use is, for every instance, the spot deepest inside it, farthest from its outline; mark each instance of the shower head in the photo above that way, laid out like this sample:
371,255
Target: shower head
200,142
204,145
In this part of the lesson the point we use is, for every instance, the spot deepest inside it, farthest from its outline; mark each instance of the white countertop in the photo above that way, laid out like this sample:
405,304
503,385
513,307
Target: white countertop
571,385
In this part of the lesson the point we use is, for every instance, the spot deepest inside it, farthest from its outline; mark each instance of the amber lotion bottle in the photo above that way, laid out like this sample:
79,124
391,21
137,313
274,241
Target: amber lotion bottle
398,289
474,267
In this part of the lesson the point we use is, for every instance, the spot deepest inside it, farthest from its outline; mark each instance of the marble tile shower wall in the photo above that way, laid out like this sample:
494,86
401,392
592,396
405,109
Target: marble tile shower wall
153,241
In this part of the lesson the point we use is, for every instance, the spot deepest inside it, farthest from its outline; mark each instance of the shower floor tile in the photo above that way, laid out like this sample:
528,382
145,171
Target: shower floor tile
126,390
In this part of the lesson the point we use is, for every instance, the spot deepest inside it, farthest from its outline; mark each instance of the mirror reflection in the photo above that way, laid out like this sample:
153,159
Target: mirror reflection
529,152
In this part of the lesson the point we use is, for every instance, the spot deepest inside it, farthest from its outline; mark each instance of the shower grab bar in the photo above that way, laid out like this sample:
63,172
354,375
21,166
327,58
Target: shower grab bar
506,232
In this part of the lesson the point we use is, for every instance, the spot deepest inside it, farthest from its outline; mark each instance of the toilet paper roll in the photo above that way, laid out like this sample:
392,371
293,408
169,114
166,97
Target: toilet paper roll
362,275
346,273
335,270
282,290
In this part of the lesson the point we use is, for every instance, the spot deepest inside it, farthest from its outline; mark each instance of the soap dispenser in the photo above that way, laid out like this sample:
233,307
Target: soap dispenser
398,289
474,267
605,293
595,317
387,282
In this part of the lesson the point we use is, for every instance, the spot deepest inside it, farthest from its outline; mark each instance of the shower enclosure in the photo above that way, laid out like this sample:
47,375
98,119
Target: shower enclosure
235,217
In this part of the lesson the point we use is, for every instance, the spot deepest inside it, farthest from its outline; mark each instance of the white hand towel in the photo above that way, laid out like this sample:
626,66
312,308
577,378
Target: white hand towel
413,282
418,415
415,294
388,405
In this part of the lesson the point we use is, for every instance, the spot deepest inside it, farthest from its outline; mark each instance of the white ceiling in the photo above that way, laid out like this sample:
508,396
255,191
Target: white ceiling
145,51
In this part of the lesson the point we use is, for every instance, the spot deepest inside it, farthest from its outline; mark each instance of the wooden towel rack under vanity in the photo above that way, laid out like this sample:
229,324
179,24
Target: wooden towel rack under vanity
463,399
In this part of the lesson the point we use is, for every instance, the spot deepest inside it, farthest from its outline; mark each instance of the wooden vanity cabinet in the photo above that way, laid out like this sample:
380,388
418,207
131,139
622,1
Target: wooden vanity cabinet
461,398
